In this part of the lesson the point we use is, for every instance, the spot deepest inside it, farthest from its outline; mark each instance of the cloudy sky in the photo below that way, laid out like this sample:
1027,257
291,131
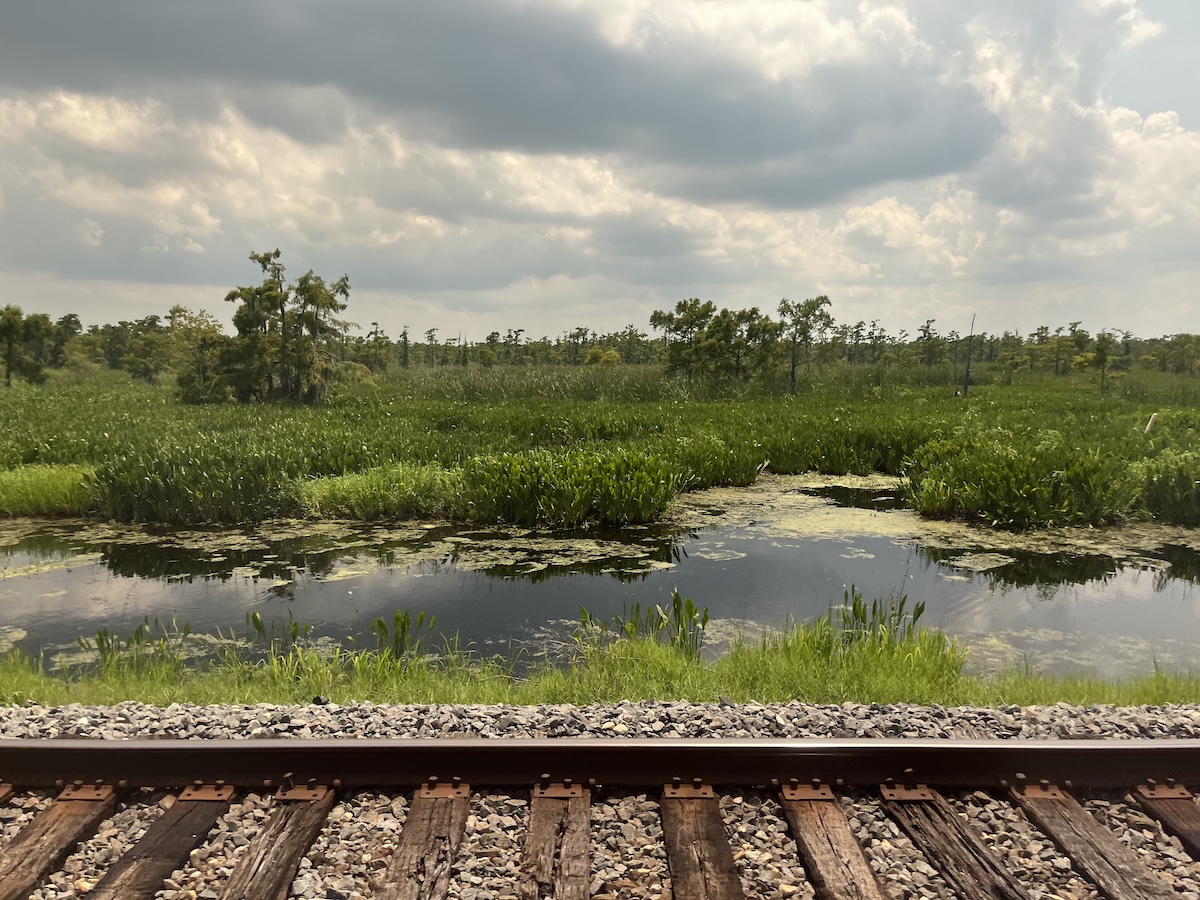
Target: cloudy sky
546,164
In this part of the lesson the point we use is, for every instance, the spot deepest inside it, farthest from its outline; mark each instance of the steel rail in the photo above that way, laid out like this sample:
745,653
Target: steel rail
627,762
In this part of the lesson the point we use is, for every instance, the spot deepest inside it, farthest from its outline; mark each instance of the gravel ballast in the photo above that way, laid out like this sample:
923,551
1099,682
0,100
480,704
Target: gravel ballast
628,855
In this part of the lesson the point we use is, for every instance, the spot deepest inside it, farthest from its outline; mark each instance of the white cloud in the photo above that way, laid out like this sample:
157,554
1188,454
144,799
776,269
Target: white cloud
101,123
780,40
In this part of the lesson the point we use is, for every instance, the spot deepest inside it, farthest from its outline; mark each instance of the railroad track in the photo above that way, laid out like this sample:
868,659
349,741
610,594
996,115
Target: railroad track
562,777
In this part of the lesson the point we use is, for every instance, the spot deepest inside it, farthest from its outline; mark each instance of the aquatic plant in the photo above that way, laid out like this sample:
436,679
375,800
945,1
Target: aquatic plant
681,627
393,491
704,460
207,480
406,638
149,649
1170,486
566,488
279,636
1018,479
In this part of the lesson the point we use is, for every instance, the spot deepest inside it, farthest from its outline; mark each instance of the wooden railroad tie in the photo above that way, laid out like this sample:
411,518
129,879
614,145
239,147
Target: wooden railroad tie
556,859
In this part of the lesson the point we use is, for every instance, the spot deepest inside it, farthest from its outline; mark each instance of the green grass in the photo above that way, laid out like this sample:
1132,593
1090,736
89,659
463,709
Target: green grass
855,653
42,490
394,491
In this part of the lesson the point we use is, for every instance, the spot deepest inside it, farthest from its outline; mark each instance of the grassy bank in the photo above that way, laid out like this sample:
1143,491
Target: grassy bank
856,654
566,448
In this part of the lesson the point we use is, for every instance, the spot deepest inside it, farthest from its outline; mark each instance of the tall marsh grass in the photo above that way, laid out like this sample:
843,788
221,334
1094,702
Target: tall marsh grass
624,384
877,653
853,651
42,490
394,491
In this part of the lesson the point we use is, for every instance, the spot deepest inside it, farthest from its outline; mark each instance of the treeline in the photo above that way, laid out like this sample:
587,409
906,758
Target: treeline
290,343
704,341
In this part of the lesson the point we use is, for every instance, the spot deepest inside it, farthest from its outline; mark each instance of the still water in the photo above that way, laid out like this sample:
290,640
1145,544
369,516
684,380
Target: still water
786,549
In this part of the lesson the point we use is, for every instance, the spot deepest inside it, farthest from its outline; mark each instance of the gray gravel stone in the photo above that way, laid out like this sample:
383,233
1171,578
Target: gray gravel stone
646,719
629,859
1160,852
763,851
19,812
898,864
352,850
1024,850
210,864
489,860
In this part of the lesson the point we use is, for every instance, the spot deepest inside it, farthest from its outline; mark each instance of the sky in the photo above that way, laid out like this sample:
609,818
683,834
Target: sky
478,165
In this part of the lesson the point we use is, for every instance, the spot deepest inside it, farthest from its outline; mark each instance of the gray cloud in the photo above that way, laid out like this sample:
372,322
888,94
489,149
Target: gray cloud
504,154
484,74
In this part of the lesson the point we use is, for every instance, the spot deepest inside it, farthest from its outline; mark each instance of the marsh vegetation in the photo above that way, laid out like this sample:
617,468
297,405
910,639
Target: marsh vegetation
569,448
175,424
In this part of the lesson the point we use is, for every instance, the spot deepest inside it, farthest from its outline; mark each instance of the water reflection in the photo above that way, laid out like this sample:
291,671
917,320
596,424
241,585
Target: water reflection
758,566
1047,572
1183,562
860,498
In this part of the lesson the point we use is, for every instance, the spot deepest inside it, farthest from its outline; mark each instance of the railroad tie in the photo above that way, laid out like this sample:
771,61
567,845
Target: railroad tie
832,857
1093,849
43,845
698,851
1175,807
951,846
420,865
557,859
270,863
140,872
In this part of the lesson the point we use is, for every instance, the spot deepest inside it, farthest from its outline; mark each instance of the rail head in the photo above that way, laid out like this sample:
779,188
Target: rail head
626,762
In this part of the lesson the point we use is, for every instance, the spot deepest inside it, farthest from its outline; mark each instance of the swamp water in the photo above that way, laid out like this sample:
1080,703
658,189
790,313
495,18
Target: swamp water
1113,601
